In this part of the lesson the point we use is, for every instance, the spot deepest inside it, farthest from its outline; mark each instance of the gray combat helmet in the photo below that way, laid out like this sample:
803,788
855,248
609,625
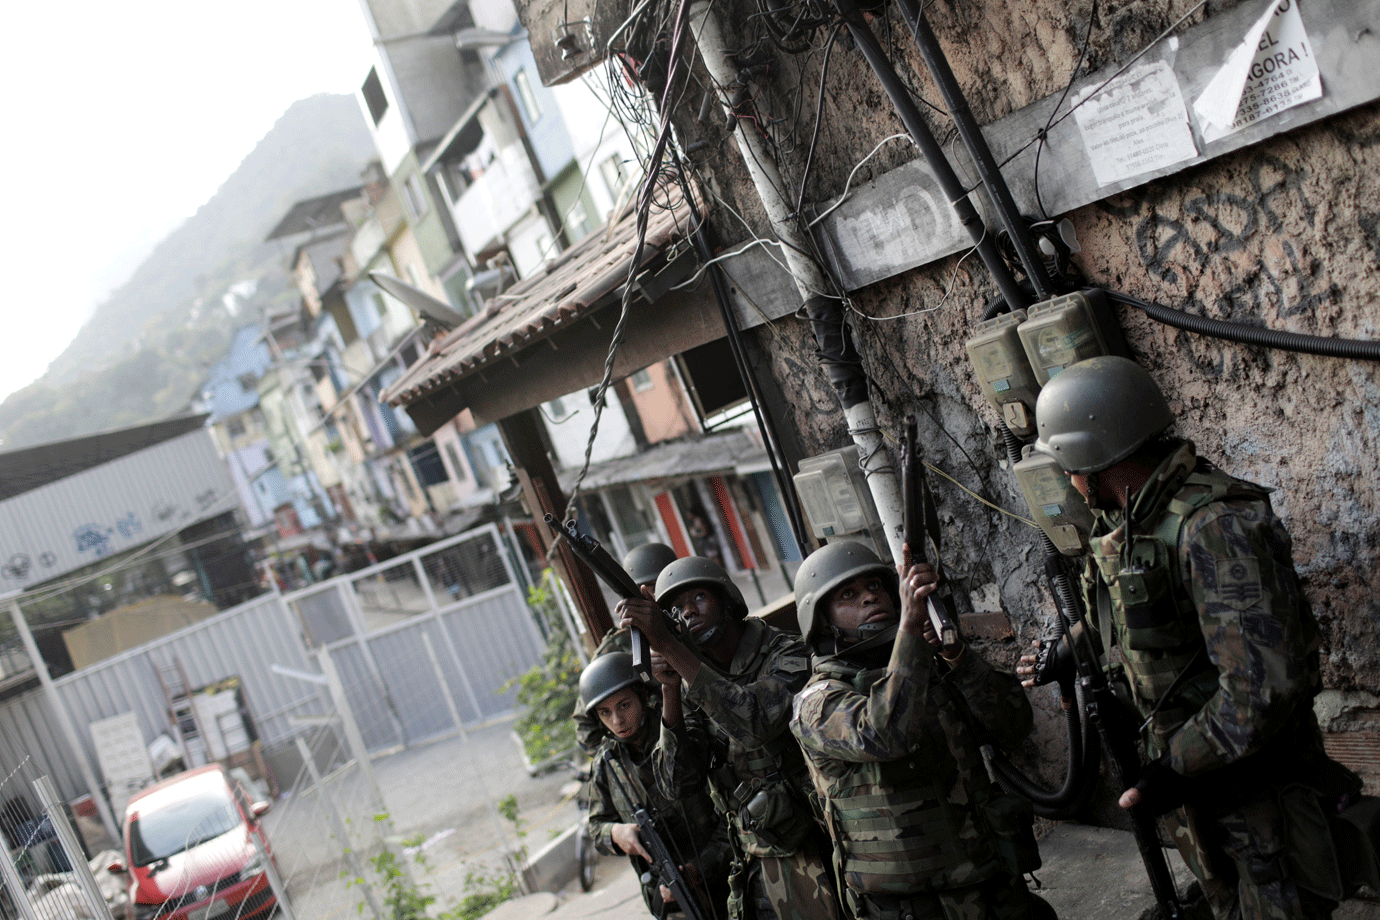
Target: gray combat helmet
1098,412
697,570
644,563
605,676
823,571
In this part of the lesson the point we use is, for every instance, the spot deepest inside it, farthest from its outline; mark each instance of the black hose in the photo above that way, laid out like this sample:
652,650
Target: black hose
836,350
1254,335
1084,747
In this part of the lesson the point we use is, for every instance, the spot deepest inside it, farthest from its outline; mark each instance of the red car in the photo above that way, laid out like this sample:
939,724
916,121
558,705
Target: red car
190,853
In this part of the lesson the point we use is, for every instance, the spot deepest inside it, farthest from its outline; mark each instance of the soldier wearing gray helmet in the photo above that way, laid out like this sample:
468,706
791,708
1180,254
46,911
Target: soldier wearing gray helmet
624,778
741,673
892,726
1191,574
643,564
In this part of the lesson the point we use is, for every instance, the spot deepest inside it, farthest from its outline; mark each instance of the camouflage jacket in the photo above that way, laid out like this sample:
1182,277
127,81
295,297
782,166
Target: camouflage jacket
747,743
622,778
898,763
1221,606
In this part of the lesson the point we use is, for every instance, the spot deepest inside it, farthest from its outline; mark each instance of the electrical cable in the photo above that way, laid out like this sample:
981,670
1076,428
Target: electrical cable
1044,133
645,200
1302,343
819,117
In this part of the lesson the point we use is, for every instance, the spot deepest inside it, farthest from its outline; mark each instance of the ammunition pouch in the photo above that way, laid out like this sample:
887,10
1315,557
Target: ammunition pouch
770,817
884,907
1333,833
1011,821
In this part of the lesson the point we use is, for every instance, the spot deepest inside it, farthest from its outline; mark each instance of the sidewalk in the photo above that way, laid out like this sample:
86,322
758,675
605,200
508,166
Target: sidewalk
1090,873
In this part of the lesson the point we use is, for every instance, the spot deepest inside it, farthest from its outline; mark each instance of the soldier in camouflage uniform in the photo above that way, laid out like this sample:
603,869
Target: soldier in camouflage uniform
741,674
624,778
643,564
1218,643
892,727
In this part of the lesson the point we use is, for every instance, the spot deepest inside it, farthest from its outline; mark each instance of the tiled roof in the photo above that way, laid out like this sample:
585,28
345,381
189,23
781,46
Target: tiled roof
314,213
572,286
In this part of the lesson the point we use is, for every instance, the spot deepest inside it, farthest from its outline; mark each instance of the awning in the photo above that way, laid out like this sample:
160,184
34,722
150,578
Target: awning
719,453
581,280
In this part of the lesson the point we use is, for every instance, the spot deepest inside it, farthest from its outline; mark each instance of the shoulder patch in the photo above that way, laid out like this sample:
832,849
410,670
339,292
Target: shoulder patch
791,664
810,690
1238,582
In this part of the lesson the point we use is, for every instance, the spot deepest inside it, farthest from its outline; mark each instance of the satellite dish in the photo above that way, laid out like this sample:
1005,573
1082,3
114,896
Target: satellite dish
428,307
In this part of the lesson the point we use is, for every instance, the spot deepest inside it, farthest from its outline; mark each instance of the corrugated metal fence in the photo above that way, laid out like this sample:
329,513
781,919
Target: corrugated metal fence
451,612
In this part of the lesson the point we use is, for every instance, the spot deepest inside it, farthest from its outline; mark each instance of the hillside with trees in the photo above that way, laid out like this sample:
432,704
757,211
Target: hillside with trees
144,352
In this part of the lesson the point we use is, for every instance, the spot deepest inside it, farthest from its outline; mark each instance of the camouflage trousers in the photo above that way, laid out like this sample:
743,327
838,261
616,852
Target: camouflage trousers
1242,860
1002,897
796,887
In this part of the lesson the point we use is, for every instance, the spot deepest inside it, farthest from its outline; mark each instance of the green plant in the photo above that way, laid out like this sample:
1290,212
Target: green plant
403,899
548,691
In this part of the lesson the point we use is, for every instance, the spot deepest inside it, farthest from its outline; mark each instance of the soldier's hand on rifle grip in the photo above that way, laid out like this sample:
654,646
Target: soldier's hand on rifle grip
1160,789
627,839
917,582
665,675
641,613
1048,661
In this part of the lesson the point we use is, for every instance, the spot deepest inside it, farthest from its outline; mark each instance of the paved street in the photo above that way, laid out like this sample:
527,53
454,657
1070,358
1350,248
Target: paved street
435,792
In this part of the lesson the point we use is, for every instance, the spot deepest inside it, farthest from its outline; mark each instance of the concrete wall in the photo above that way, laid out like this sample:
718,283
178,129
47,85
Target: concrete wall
1284,233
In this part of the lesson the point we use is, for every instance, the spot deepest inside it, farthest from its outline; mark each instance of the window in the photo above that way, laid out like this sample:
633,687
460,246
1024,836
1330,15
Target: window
456,466
577,221
615,177
415,197
530,107
234,427
374,98
557,408
642,381
380,304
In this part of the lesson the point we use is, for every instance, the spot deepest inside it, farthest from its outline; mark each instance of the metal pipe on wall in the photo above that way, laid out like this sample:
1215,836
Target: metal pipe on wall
984,242
971,134
810,279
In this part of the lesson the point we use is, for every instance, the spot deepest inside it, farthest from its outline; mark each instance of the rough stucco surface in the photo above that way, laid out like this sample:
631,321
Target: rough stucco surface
1284,234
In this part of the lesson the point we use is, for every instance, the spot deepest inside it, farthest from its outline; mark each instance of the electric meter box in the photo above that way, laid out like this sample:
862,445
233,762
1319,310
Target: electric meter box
1060,510
1003,371
1068,329
833,490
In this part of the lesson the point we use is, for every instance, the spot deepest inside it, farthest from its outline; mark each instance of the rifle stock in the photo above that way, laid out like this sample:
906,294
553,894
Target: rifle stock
940,603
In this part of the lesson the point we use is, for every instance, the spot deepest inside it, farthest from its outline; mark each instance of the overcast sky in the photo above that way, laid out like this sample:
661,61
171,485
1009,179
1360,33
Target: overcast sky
124,119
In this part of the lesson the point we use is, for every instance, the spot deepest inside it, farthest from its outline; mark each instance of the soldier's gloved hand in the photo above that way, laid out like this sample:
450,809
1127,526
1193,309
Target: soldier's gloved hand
1160,788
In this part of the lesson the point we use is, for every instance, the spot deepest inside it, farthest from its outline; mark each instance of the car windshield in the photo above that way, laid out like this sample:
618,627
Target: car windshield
158,834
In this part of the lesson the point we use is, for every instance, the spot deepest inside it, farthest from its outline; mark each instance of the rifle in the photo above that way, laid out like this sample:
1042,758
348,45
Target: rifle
592,553
664,868
922,534
1116,728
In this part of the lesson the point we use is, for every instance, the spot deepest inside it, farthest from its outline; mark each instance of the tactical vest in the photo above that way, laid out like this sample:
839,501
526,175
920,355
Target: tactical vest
902,827
763,790
1141,592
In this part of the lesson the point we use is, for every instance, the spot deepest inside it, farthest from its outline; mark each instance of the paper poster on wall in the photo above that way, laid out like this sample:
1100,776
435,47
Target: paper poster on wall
1273,69
1136,124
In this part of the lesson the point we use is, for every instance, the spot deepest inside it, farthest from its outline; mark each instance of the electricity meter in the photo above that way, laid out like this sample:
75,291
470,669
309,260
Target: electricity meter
1060,510
1069,329
1003,371
833,490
